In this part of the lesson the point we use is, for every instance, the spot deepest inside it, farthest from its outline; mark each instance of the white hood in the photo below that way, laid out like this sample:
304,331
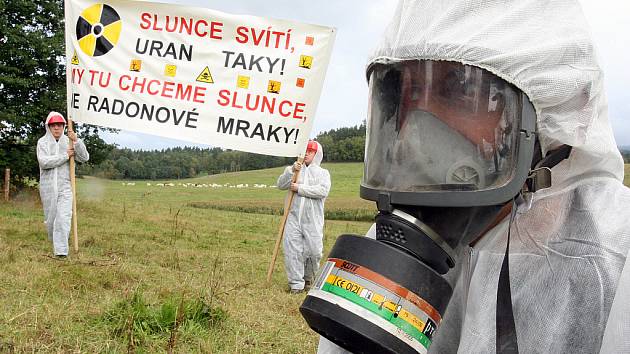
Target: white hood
543,49
49,136
319,155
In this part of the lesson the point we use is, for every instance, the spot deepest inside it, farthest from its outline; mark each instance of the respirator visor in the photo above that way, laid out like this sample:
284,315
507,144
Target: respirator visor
440,126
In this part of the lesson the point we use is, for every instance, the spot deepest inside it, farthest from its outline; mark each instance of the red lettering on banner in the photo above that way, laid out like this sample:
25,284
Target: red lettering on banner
145,19
179,24
166,89
261,103
299,108
263,37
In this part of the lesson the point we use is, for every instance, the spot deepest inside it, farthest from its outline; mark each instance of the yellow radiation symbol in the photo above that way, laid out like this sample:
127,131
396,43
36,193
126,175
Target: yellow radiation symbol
75,59
98,29
205,76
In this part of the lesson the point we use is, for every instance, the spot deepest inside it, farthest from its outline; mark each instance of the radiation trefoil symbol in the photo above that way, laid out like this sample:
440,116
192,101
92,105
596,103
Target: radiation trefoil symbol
98,29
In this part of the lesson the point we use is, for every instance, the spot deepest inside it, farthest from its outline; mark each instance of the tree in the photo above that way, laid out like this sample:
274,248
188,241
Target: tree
32,82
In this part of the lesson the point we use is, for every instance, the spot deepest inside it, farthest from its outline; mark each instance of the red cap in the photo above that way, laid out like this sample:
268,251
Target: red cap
312,146
56,119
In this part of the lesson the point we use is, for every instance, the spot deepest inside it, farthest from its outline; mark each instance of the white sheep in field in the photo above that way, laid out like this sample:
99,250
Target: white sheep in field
239,186
131,183
170,185
160,184
148,184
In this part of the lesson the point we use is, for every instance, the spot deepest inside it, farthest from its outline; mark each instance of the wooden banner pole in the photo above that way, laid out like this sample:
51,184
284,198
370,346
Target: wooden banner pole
75,235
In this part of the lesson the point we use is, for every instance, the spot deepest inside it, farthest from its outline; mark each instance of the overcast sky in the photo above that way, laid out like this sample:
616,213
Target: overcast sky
359,25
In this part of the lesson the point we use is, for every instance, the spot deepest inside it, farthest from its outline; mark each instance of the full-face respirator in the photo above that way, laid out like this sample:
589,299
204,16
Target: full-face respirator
448,145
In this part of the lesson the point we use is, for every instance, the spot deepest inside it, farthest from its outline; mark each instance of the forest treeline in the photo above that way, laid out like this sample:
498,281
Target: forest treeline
340,145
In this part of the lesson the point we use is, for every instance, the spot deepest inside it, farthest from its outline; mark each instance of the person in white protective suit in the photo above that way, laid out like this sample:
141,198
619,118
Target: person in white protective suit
304,230
53,153
569,275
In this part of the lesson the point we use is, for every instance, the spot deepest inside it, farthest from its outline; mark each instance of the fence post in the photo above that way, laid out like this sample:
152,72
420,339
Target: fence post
7,178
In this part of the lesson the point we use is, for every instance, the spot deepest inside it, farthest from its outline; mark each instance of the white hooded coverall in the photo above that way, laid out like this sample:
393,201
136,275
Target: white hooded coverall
54,185
304,230
569,271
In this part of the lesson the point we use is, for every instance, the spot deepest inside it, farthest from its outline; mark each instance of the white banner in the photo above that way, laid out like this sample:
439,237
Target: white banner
238,82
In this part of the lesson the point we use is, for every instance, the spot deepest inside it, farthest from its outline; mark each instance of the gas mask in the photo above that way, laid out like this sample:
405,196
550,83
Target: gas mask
448,145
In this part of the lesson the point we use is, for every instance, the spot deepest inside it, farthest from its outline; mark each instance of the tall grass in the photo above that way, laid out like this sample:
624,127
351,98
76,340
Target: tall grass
135,320
147,258
357,214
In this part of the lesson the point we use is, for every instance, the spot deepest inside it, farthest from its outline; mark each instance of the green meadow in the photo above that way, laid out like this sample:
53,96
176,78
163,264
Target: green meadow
161,268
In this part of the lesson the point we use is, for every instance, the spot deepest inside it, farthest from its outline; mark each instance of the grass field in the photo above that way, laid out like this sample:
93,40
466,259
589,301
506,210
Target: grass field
149,260
162,267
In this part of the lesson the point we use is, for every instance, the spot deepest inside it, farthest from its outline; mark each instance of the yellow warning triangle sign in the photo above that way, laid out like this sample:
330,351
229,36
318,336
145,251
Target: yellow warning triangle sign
205,76
75,59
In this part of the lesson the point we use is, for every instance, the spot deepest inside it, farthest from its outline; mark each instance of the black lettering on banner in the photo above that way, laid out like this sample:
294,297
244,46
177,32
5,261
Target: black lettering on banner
222,127
165,115
104,106
135,113
259,63
190,119
75,100
287,134
92,103
244,128
117,107
258,131
147,112
162,115
273,132
242,125
156,48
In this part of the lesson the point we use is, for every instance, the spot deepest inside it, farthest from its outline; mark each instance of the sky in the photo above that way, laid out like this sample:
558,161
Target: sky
359,25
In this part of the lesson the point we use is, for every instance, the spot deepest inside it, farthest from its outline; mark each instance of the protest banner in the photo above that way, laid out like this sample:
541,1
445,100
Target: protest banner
232,81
